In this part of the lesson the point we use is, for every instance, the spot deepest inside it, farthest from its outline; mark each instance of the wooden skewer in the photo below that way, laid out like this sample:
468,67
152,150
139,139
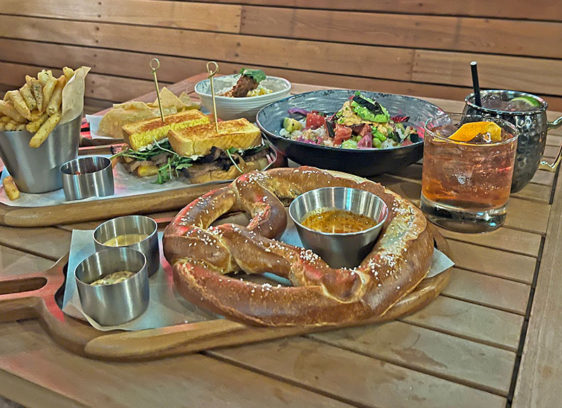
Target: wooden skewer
154,65
212,69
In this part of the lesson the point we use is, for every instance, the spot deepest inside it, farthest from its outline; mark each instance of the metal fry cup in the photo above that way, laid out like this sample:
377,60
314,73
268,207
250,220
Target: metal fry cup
37,170
339,249
85,177
116,303
132,224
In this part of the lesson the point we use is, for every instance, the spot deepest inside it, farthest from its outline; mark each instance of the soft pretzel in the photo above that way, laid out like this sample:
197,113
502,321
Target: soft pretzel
202,254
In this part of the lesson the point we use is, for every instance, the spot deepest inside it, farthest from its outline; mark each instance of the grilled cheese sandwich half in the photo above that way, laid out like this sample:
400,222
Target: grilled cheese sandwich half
198,140
141,134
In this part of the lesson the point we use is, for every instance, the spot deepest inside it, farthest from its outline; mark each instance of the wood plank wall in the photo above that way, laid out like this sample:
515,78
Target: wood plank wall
417,47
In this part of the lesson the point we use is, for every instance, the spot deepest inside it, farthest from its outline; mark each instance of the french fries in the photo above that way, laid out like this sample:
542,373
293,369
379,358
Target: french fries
48,89
37,91
28,97
19,104
56,99
34,126
68,73
9,110
10,188
46,128
36,106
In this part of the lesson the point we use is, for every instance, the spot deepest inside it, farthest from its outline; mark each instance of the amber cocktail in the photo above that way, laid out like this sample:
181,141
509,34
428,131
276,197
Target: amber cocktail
467,171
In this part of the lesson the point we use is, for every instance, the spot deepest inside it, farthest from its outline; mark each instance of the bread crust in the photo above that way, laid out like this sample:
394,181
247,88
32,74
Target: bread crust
202,255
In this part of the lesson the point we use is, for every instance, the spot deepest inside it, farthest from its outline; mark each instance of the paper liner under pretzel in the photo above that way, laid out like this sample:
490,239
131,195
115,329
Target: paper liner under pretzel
201,256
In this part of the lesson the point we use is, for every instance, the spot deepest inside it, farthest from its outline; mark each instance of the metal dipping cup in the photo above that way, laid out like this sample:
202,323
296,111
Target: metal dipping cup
132,224
339,250
37,170
117,303
87,177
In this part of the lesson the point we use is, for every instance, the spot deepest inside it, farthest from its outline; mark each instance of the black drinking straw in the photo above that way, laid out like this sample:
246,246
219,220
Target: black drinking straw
475,84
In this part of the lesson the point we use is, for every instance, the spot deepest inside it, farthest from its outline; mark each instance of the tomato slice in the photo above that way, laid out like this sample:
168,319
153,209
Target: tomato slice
314,120
341,133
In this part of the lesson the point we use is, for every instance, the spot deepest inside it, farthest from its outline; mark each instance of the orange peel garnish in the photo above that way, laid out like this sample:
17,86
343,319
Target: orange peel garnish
470,130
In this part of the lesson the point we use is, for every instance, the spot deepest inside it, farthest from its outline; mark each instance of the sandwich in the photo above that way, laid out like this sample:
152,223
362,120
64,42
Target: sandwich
140,134
193,149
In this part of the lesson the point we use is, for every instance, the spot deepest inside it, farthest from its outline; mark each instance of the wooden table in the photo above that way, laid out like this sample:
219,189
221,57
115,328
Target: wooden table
491,339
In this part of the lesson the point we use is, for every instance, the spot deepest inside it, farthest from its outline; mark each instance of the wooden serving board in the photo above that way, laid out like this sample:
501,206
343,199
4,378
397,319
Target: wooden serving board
81,211
32,296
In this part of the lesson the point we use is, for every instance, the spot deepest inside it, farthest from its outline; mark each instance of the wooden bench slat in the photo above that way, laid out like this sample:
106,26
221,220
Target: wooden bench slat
413,31
542,9
212,17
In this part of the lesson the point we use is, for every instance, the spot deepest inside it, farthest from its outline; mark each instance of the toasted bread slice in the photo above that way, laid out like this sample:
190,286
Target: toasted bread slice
198,140
143,133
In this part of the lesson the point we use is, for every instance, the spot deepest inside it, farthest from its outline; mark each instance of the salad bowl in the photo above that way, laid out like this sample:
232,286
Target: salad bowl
359,161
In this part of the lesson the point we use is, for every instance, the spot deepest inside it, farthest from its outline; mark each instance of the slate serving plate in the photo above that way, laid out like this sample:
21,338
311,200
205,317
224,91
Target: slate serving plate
362,162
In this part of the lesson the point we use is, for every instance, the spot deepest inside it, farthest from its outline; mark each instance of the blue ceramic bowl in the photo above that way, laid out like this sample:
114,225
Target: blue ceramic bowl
362,162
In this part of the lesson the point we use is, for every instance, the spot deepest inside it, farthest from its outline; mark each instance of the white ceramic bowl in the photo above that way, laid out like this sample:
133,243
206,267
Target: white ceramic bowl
247,107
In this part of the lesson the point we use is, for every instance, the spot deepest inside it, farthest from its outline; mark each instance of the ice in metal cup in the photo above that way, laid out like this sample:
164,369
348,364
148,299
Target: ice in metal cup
339,249
466,177
131,231
527,112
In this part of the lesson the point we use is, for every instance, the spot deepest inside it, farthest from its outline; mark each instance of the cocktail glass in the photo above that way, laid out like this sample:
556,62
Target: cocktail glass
528,113
466,183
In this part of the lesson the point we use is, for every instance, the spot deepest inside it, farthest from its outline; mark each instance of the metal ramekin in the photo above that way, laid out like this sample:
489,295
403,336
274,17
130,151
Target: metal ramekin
132,224
339,250
84,177
117,303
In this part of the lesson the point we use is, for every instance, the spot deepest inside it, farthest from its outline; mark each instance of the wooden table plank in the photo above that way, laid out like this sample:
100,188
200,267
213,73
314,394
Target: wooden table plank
543,177
493,262
14,262
522,242
538,383
478,365
374,383
50,243
195,380
488,291
536,192
470,321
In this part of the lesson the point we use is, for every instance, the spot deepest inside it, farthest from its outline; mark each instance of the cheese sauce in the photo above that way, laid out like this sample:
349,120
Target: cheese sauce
337,221
113,278
126,239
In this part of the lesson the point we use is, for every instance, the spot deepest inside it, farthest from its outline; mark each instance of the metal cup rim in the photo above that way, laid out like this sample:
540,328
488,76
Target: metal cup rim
151,220
538,109
342,234
65,171
102,253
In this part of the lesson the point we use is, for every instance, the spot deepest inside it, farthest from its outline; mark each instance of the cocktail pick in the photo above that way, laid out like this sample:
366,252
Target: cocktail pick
475,84
154,65
212,69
